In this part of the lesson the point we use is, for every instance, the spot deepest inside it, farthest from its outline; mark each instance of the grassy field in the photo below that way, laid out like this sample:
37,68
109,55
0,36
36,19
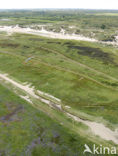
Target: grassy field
56,69
25,130
81,74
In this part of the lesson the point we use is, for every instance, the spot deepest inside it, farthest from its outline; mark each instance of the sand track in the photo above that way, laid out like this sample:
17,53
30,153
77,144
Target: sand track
96,128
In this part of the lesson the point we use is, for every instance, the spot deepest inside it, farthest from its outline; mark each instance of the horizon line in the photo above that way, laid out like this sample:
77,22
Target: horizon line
56,8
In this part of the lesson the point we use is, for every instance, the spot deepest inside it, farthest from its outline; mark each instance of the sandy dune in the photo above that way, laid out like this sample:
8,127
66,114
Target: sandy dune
45,33
11,29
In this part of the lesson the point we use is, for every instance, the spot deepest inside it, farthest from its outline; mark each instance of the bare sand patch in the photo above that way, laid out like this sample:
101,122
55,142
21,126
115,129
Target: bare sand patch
43,32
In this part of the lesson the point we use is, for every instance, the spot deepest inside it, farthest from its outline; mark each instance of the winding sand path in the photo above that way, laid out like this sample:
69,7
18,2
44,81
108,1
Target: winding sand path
97,128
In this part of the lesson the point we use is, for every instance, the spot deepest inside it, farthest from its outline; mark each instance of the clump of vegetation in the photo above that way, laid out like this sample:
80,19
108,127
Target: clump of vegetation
103,26
93,53
109,38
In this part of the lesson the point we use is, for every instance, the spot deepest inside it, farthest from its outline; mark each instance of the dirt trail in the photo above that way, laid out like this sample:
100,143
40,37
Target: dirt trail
81,64
64,69
71,60
97,128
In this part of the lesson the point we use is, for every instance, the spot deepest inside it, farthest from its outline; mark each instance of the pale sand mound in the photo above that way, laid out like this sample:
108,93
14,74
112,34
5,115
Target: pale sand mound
43,32
50,34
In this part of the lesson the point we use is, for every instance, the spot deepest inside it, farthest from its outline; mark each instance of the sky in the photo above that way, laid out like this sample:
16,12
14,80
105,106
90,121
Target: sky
87,4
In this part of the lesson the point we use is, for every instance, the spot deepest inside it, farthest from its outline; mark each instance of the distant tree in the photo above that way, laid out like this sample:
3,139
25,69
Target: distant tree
103,26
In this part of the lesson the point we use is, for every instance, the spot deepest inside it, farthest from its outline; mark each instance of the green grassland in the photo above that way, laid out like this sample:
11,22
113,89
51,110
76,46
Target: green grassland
56,70
25,130
82,74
